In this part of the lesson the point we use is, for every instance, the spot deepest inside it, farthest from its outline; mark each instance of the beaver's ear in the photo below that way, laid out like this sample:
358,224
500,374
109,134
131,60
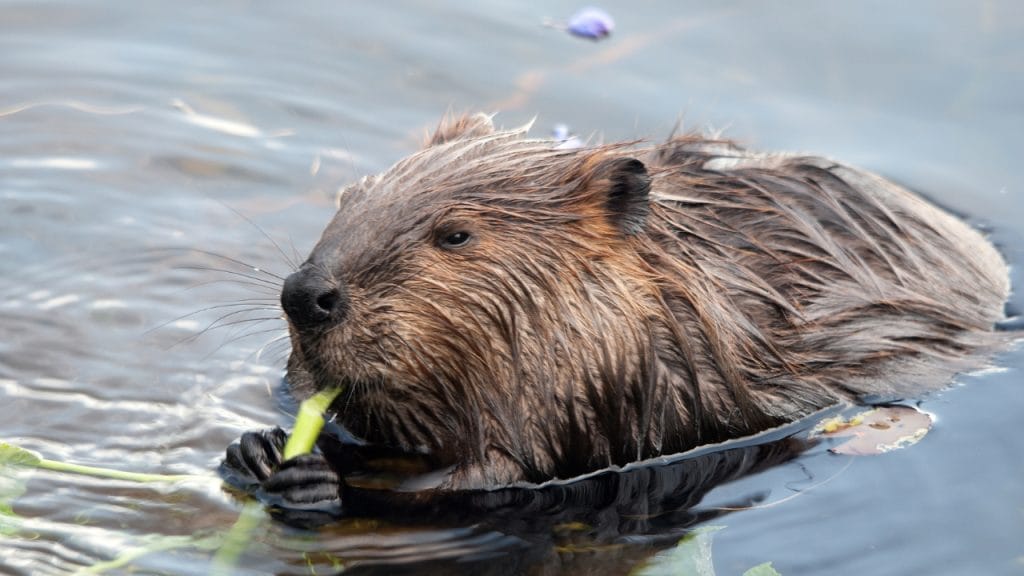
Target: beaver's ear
624,182
465,126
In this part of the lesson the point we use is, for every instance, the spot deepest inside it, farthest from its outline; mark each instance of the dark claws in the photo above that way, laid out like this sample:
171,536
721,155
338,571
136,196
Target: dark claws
253,458
262,451
305,483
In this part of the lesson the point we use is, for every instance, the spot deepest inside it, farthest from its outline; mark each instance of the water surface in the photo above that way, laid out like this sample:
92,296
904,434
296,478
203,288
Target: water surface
136,136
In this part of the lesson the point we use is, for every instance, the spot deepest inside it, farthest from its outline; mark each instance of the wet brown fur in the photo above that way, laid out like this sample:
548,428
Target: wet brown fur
619,302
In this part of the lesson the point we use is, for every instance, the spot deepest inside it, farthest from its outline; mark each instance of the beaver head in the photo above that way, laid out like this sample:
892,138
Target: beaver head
461,296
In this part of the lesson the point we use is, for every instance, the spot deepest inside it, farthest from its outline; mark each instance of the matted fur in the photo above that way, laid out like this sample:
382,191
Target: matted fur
620,302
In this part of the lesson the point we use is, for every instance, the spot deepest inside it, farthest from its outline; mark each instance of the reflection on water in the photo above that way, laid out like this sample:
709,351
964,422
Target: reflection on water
621,514
163,166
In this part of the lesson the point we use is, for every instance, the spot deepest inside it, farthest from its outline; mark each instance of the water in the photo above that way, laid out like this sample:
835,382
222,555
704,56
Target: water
133,136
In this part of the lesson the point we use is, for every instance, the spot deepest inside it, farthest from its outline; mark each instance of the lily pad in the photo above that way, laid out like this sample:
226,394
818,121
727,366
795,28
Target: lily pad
877,430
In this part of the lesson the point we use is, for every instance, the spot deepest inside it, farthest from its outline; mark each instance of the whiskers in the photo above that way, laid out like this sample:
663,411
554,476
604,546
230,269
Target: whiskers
256,314
293,261
237,320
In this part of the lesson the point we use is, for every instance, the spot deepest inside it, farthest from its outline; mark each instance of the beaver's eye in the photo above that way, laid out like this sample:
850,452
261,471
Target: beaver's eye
456,240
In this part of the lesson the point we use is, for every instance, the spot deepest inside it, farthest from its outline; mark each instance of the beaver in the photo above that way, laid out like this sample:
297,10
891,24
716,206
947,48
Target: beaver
511,311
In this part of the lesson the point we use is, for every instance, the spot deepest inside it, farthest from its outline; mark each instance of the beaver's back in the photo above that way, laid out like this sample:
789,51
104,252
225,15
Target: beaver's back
844,284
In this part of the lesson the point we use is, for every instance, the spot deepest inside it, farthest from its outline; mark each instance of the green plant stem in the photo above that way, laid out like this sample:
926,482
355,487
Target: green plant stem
308,422
126,557
237,538
115,474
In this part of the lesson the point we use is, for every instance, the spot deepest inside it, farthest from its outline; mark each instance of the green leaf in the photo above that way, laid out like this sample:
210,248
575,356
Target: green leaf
691,556
762,570
10,523
17,456
12,484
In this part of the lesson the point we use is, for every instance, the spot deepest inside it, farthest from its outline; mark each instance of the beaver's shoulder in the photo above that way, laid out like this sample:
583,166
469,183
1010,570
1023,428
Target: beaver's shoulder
836,268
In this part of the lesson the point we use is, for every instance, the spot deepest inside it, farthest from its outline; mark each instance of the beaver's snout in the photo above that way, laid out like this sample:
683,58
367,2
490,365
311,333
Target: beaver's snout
311,300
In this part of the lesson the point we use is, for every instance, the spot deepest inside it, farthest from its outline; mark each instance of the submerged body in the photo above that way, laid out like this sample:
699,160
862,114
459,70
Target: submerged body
515,312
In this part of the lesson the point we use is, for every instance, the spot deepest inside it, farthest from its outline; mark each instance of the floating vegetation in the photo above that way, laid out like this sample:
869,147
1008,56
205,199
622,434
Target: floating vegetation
692,555
11,455
876,431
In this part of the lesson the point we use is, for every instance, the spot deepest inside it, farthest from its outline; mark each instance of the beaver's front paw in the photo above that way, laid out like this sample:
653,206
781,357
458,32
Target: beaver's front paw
253,458
306,482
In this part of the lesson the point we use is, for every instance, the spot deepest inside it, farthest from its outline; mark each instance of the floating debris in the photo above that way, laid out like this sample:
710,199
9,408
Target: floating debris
54,163
590,23
566,139
226,126
876,431
223,125
74,105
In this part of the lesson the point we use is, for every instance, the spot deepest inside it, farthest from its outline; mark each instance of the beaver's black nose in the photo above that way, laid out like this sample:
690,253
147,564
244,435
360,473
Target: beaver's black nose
312,300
